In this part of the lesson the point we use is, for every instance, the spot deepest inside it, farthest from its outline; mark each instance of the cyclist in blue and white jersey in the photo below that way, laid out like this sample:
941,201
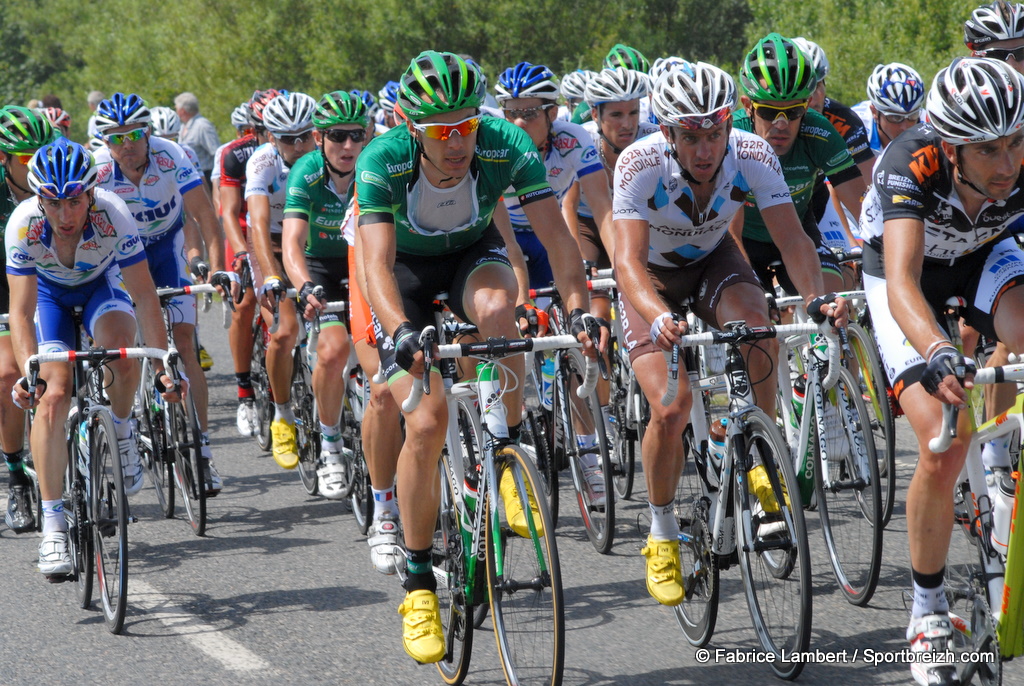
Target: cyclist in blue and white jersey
164,192
74,223
894,104
386,98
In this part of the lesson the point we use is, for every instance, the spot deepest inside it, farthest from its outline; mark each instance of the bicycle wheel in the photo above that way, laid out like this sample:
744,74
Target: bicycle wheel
361,499
584,415
76,514
876,399
625,446
109,510
149,412
525,583
849,495
262,400
536,434
780,604
183,440
698,612
306,426
450,559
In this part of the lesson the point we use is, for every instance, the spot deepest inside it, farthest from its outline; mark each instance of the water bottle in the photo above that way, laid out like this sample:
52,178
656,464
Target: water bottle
492,408
547,383
717,434
469,489
1003,512
799,393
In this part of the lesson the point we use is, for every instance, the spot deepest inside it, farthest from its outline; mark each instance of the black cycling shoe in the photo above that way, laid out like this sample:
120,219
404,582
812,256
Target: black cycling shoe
19,515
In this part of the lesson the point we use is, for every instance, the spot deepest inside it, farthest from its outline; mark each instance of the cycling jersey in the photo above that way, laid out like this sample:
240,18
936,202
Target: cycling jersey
218,164
267,174
7,201
232,161
643,130
110,238
311,196
387,173
570,156
863,110
914,179
157,203
193,157
649,186
850,126
818,149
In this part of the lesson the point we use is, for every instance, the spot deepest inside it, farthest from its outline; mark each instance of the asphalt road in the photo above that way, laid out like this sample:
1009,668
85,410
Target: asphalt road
281,590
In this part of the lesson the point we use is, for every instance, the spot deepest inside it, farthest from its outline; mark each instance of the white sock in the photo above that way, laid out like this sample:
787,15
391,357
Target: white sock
997,453
53,516
664,525
330,436
928,601
284,411
122,427
384,502
588,459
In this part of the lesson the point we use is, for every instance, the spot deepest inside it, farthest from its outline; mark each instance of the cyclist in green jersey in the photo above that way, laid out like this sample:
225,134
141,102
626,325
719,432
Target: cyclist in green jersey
427,191
22,132
777,81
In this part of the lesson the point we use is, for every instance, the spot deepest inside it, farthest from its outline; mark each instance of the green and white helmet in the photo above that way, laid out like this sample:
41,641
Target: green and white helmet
23,129
340,107
439,82
624,56
776,69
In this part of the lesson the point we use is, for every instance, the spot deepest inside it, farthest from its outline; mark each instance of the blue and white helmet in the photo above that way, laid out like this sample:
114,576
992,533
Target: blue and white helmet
62,169
527,80
371,102
388,96
120,110
895,88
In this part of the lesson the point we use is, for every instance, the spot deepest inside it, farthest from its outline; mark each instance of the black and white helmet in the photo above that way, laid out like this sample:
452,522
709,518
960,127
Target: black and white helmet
976,99
240,116
574,84
816,55
289,114
997,21
698,96
616,85
895,88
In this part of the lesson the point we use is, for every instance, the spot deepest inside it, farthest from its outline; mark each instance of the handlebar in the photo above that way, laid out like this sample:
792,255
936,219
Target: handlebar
987,375
314,329
167,294
592,285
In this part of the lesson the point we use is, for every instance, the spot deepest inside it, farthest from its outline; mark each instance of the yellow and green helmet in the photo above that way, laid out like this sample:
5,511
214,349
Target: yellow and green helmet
776,69
438,82
340,107
23,129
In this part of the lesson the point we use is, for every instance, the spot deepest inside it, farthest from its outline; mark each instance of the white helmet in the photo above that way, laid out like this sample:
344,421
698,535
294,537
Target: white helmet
616,85
240,116
664,64
895,88
699,97
290,114
994,22
976,99
165,122
816,54
574,84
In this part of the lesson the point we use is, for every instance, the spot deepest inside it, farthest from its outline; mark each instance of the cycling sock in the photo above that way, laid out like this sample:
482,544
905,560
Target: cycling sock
996,454
929,593
244,381
16,468
53,516
331,437
515,432
588,457
284,411
384,502
664,525
122,427
420,568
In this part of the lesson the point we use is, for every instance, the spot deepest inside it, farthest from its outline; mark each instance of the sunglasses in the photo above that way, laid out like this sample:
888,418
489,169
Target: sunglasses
1002,54
71,189
342,135
528,114
703,121
22,157
772,113
296,139
900,118
119,138
442,132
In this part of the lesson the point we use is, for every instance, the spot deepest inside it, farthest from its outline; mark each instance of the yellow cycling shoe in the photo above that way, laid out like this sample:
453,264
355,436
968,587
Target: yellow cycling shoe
759,484
664,578
286,447
514,508
422,635
205,361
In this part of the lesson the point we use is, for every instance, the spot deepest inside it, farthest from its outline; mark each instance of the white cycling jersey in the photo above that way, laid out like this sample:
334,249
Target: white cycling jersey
110,237
218,164
267,174
649,186
156,203
571,155
645,129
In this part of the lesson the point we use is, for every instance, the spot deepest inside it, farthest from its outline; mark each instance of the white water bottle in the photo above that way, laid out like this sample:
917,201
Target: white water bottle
547,383
1002,512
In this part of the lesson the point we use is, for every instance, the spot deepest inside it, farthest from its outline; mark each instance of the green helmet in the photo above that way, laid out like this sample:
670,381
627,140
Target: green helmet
776,69
340,107
624,56
22,129
438,82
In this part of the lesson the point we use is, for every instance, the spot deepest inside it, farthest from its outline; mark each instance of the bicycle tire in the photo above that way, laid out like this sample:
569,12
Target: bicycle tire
780,606
149,412
698,613
76,514
450,559
851,508
625,446
585,415
183,439
361,498
109,516
883,424
536,436
262,401
307,426
525,583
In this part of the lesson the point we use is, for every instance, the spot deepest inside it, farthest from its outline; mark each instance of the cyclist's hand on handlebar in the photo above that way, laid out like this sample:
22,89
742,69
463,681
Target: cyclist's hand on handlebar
947,375
531,321
22,397
238,262
271,290
166,387
832,306
666,330
199,268
311,297
228,285
587,331
408,352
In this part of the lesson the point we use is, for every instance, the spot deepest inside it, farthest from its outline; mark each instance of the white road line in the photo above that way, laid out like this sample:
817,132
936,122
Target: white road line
205,637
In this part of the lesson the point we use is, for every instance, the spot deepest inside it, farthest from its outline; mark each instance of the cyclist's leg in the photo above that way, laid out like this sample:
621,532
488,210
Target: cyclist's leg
19,515
240,342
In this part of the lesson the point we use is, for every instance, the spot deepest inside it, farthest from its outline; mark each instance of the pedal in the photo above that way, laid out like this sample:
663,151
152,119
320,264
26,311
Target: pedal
59,578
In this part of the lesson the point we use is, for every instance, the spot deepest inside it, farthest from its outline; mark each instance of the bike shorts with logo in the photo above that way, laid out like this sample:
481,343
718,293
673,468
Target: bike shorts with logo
168,266
55,324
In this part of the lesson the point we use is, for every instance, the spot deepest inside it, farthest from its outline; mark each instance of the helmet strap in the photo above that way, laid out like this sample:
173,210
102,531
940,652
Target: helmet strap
330,167
10,178
686,175
423,154
960,175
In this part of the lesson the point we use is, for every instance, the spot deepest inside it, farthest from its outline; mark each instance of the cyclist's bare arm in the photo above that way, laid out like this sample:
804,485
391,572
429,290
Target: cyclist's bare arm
377,242
736,231
139,283
632,238
293,247
515,253
800,257
851,193
199,206
570,207
595,187
24,294
563,252
231,205
259,232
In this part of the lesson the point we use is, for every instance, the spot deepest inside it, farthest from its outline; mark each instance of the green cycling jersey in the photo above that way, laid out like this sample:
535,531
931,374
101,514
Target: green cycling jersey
310,196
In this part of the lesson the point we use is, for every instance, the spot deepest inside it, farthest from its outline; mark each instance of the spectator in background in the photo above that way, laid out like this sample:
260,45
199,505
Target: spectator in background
34,104
94,98
197,131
